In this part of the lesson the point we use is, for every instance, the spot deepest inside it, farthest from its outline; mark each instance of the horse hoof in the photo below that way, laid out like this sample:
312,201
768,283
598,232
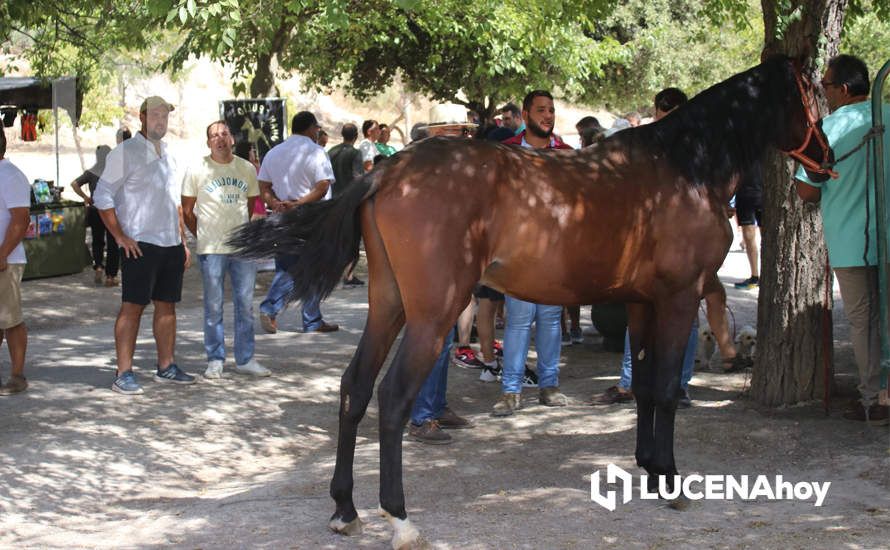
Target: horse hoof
681,503
350,529
405,536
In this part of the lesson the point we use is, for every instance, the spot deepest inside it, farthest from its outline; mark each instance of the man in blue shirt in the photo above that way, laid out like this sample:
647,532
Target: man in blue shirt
847,206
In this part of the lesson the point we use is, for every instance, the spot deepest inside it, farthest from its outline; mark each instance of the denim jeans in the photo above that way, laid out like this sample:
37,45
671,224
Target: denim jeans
688,359
282,285
242,274
430,402
517,336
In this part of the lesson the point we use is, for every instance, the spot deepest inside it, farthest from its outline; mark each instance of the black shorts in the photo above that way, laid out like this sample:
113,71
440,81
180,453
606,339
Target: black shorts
156,275
748,212
482,291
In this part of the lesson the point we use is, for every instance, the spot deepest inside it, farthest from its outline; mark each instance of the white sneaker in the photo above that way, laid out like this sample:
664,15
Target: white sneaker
214,369
253,368
491,372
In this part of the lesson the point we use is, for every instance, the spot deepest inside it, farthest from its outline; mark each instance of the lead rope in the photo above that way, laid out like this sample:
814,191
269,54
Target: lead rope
873,133
869,287
827,342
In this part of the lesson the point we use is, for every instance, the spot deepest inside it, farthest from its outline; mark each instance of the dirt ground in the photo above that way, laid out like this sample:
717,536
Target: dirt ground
243,463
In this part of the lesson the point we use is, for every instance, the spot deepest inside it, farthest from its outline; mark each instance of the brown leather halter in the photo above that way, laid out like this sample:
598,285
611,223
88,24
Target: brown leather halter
811,108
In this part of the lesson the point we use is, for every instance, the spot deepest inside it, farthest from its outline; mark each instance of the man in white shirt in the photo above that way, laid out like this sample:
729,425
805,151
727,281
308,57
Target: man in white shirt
138,198
224,188
15,203
293,173
368,145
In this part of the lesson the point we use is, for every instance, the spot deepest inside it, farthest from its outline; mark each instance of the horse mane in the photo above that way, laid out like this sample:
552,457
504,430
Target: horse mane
725,130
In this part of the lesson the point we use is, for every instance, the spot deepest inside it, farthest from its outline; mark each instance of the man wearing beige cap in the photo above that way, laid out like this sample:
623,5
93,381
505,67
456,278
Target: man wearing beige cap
138,197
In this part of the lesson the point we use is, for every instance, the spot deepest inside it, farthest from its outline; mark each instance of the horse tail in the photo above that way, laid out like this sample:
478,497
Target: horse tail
324,234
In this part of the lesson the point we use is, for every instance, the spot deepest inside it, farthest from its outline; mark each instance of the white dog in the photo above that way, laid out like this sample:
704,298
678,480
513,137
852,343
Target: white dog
707,344
746,342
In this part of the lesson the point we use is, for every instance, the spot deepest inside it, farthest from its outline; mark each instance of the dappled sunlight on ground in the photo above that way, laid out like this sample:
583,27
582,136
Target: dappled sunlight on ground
243,462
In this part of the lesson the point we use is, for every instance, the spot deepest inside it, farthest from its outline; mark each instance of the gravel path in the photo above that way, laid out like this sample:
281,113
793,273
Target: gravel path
246,464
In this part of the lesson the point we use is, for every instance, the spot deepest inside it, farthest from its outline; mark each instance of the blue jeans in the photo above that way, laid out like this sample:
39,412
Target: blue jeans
282,285
242,273
517,336
688,359
430,402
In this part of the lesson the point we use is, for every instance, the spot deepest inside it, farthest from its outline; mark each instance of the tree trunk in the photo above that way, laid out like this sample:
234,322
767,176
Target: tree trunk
793,312
263,79
484,107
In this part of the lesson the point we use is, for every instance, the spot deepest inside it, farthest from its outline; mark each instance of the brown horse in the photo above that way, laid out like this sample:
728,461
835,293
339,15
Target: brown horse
639,218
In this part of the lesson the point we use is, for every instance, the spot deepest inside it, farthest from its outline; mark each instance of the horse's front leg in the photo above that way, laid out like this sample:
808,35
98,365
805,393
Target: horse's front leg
413,362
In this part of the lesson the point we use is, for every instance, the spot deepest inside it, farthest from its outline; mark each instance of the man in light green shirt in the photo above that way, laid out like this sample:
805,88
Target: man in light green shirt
847,204
383,146
217,196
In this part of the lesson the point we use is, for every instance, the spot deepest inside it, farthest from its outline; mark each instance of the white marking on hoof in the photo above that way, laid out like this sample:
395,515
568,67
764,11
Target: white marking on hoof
405,535
350,529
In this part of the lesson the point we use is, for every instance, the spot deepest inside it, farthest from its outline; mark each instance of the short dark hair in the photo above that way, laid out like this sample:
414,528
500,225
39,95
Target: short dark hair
852,71
302,121
349,132
123,134
588,122
382,126
214,123
2,142
669,99
366,127
514,110
591,135
530,98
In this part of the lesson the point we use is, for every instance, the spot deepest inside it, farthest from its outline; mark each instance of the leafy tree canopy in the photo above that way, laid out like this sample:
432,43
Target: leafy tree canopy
479,52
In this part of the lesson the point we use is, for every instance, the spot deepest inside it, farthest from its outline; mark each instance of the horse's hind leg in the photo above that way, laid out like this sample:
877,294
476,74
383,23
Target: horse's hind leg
385,319
421,344
639,323
356,386
673,321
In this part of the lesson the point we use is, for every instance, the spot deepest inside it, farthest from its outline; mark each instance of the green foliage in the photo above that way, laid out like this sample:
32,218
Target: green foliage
480,52
673,43
476,53
868,38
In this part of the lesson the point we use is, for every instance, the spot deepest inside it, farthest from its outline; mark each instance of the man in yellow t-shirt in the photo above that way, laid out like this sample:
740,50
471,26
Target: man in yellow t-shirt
217,196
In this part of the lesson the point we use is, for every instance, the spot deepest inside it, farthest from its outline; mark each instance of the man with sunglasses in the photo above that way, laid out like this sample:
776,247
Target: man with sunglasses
848,212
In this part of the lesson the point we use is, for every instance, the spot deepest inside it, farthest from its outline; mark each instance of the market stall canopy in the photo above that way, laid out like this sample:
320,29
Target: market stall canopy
26,93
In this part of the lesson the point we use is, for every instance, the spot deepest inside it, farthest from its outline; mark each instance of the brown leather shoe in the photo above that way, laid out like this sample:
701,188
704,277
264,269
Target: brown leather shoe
15,384
614,395
326,327
269,324
878,415
449,420
429,432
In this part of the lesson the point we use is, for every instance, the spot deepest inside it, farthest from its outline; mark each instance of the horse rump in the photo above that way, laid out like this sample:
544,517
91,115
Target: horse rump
325,235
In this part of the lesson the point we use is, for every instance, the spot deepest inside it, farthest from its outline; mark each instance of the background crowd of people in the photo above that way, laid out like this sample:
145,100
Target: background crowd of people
141,203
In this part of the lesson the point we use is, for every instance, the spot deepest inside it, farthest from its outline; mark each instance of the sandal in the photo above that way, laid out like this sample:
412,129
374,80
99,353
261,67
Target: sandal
736,364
